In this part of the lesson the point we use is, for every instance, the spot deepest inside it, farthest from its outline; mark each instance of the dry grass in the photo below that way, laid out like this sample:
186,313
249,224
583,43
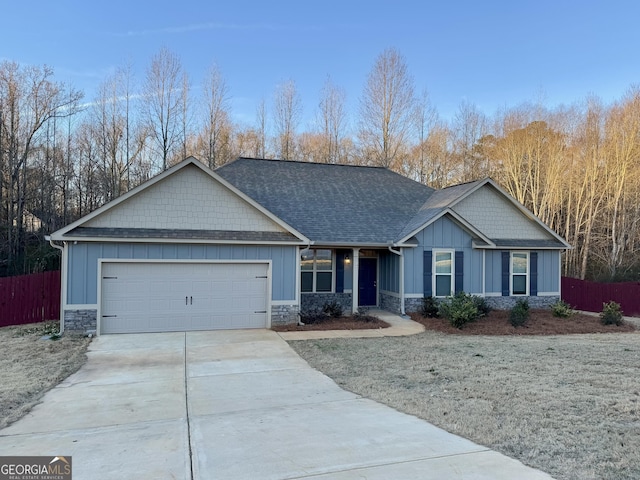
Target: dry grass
568,405
31,366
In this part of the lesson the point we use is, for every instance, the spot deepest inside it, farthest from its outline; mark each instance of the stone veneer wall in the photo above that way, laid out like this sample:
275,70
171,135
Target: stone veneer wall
412,304
506,303
284,314
390,303
80,321
315,301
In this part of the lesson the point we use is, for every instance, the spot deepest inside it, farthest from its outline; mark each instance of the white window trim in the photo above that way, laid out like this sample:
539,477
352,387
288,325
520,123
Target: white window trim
434,274
314,271
511,274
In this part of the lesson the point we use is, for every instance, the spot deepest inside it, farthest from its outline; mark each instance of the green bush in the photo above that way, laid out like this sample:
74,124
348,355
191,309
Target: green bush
459,309
519,313
482,305
332,309
611,314
429,307
562,309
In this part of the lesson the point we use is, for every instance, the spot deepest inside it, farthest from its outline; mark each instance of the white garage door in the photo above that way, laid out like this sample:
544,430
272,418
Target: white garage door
175,297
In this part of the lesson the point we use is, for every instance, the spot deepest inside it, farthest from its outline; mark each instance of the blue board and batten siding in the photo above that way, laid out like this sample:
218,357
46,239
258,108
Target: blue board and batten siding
548,262
82,285
444,234
389,268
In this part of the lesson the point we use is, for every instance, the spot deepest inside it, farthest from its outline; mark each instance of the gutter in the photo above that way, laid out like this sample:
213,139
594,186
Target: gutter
58,247
400,253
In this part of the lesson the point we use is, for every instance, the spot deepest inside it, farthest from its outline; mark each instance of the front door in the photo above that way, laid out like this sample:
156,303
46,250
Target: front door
368,282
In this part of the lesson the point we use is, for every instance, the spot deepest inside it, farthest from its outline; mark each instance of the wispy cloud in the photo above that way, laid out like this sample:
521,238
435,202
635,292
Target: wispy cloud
195,27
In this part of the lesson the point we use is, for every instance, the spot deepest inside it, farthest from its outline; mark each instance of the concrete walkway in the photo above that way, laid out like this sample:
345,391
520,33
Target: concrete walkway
399,327
233,405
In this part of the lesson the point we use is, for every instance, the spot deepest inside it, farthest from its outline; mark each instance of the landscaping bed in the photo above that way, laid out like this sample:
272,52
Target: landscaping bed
351,322
540,322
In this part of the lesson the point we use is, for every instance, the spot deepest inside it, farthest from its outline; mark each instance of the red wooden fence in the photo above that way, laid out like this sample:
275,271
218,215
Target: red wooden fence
29,298
590,296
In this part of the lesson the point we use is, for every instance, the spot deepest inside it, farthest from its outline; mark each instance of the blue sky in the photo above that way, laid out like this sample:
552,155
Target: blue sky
493,54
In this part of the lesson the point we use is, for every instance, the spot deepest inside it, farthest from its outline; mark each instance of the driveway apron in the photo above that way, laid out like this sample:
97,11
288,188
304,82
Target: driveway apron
233,405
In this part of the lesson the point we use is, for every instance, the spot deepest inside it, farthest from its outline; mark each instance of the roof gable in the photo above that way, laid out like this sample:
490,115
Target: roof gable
502,219
187,197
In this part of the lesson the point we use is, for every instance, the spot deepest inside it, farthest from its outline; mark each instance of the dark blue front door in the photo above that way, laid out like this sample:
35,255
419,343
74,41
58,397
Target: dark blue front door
367,282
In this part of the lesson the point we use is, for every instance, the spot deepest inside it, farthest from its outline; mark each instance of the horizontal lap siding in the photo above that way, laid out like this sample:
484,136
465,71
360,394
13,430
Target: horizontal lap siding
83,263
443,233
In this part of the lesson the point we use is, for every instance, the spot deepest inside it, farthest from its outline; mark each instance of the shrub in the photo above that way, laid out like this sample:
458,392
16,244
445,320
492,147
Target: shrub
519,313
459,309
309,317
429,307
333,309
482,306
562,309
611,314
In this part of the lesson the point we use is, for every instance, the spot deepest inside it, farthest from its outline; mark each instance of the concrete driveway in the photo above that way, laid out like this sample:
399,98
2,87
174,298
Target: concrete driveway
233,405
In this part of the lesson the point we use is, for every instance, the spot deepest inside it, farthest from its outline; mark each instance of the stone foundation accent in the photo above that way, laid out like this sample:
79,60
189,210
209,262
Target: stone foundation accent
390,303
80,321
284,314
315,301
507,303
412,304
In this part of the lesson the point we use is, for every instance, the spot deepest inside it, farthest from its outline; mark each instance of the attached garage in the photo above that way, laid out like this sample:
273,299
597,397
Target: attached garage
170,296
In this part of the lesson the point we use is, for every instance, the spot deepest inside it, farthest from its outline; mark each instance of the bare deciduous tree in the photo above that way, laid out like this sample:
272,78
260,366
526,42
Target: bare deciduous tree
217,102
164,102
287,110
386,109
331,120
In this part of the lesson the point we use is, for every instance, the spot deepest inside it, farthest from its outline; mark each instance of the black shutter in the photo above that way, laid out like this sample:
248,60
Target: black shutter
427,270
533,274
339,271
506,259
459,286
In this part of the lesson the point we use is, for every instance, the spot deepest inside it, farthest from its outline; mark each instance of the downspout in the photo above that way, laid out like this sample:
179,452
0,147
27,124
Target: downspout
299,279
400,253
62,281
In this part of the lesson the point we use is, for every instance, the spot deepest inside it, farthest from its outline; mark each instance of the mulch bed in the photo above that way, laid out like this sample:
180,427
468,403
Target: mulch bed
340,323
541,322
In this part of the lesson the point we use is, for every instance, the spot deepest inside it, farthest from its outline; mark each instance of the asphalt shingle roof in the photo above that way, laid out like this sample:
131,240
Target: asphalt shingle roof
331,203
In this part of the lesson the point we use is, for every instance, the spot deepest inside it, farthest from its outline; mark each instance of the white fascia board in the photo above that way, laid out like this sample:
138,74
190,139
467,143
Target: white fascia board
519,247
180,240
447,211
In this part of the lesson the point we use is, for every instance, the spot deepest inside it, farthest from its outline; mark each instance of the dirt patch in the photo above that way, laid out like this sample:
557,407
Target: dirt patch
566,404
362,322
31,365
541,322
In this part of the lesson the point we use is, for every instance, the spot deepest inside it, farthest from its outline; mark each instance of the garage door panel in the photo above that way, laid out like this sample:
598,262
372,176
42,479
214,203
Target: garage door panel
156,297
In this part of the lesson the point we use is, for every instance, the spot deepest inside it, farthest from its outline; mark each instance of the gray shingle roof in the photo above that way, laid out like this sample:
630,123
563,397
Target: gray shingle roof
435,204
331,203
154,233
510,242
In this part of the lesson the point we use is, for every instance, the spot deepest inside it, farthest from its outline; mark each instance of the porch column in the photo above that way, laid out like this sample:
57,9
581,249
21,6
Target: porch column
355,287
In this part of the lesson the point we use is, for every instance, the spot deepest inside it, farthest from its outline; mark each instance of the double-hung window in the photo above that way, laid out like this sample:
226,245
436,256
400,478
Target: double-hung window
317,270
443,268
519,273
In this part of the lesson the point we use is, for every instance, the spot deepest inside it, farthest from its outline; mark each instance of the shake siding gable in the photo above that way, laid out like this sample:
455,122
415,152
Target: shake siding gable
187,200
496,217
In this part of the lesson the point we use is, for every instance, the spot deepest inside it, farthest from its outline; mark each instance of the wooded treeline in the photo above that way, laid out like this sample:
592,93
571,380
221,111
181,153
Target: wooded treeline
61,156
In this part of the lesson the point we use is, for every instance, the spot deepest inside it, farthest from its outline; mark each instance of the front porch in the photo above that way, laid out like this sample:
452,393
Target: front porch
329,275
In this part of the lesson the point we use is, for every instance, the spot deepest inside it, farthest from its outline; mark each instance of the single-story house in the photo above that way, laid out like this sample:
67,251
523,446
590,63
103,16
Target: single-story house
256,241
